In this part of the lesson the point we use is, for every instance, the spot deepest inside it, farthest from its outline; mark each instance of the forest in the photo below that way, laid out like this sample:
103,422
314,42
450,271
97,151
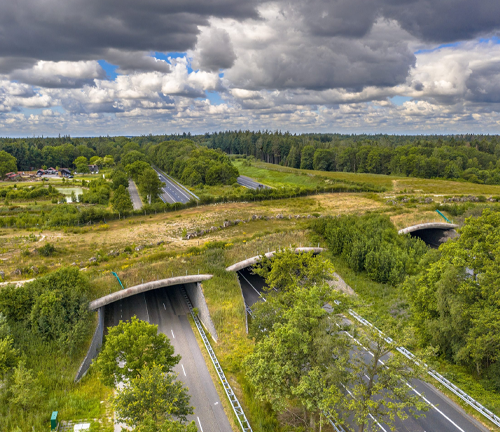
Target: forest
471,158
192,164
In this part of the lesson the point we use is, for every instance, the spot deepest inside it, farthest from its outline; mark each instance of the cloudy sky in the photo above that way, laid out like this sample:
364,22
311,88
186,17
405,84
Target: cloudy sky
128,67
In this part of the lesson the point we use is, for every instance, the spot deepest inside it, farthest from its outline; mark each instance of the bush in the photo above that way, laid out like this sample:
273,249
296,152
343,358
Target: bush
52,307
371,243
47,250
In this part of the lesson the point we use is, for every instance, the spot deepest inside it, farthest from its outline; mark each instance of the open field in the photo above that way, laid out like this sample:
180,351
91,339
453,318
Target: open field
145,248
276,175
78,245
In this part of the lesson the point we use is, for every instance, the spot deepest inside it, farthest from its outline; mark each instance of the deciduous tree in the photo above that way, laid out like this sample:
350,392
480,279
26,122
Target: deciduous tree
152,397
129,347
8,163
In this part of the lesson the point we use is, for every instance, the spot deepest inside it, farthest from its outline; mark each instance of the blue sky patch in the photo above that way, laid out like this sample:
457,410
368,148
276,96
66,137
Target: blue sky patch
109,68
400,100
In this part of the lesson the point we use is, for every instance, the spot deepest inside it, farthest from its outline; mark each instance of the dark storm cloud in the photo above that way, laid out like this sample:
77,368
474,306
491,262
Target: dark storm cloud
296,59
86,29
214,51
130,62
483,85
438,21
445,20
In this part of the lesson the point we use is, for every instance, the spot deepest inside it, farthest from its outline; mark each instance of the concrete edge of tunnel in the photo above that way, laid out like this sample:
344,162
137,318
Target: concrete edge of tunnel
148,286
253,260
94,347
195,292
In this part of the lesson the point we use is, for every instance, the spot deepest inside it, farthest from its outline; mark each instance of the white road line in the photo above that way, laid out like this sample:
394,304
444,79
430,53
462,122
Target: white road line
416,392
177,188
170,196
183,370
200,423
263,298
164,306
146,303
173,334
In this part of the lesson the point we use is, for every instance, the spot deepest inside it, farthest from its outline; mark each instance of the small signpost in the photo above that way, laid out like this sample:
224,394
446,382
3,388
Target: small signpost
53,421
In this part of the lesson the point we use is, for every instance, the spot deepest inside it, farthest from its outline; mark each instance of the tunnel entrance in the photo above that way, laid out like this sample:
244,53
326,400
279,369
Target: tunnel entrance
434,237
166,307
433,234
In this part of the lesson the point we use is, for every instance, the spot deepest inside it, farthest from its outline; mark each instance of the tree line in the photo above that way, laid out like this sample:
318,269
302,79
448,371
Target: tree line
473,158
470,158
192,164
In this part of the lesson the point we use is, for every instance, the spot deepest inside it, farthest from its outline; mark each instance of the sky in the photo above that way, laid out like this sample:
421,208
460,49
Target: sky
130,67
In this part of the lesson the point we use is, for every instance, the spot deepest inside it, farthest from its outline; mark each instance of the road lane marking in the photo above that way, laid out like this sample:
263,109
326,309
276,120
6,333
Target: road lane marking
172,333
183,370
200,423
412,388
164,306
260,294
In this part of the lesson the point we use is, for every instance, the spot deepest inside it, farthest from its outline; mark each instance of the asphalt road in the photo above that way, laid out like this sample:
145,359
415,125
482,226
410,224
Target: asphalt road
444,416
250,183
172,192
167,308
134,195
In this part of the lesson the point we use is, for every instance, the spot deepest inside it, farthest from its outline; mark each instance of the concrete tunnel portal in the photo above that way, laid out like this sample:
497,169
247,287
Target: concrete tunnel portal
163,303
252,286
433,234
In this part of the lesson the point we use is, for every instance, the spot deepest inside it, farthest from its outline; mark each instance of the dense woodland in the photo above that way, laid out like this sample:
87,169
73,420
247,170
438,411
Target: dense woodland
471,158
192,164
468,157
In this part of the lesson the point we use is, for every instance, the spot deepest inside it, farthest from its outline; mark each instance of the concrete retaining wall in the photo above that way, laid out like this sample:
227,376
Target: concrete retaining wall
195,293
95,346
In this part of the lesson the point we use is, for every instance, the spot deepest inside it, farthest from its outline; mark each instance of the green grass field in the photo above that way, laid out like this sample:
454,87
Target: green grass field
276,175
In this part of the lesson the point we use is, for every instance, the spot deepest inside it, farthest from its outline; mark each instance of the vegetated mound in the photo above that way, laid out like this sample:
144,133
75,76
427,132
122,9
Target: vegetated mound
192,164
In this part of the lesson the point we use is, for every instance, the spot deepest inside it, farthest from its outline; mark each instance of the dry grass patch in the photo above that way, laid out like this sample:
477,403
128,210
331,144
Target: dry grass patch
406,220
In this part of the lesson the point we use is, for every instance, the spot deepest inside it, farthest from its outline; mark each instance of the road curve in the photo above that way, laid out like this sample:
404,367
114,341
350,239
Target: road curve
166,307
444,416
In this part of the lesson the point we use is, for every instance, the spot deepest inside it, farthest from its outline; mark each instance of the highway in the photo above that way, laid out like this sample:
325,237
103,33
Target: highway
444,416
250,183
172,192
134,195
167,308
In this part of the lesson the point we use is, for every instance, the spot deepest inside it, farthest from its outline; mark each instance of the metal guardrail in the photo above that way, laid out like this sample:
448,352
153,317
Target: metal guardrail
438,377
238,410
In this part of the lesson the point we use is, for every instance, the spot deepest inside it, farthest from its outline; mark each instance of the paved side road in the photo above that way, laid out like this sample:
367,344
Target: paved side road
172,192
444,416
134,195
167,308
250,183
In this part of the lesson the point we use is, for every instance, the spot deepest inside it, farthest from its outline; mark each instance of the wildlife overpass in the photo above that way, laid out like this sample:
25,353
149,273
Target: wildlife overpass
433,233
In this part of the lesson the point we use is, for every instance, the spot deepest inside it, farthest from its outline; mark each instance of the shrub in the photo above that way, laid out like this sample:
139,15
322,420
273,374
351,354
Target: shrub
47,250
